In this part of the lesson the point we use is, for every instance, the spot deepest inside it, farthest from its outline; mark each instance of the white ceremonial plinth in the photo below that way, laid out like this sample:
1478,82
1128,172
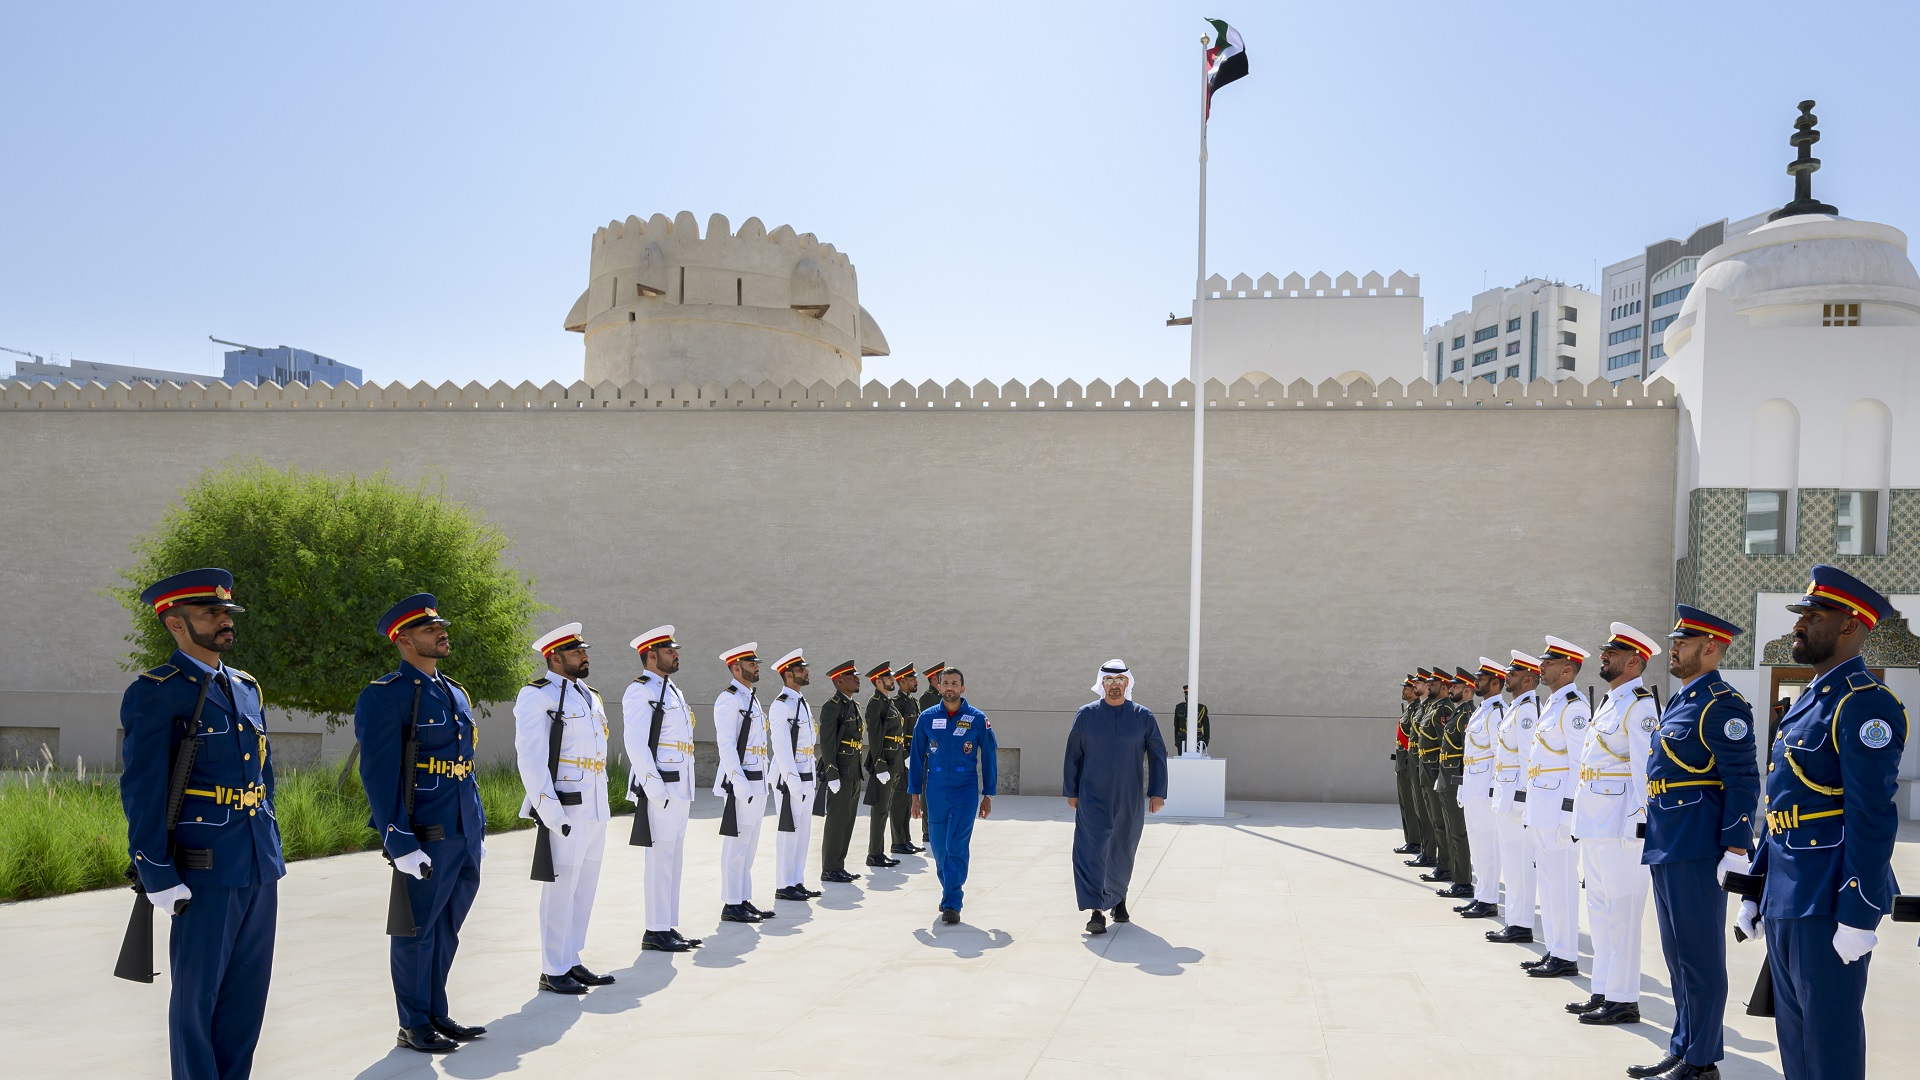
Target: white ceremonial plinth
1196,787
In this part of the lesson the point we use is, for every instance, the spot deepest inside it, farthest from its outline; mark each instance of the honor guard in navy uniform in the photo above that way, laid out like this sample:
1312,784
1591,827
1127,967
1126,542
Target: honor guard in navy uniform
560,741
1513,756
1823,872
900,809
1453,750
740,729
417,741
1476,790
841,744
659,739
1202,740
886,742
952,777
790,725
1558,741
202,839
1403,769
1702,785
1610,818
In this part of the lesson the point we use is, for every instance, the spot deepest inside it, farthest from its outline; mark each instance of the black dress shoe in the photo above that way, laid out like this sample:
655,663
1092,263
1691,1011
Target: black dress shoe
1454,892
762,913
1097,923
1529,965
949,915
690,942
1641,1072
460,1032
425,1039
1407,849
1480,910
1512,935
1423,860
1684,1071
663,941
1553,968
562,984
907,849
794,893
881,861
1120,913
1614,1012
581,975
839,877
1436,875
811,892
737,913
1581,1008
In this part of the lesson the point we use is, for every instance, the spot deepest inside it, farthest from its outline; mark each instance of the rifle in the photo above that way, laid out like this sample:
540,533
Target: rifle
1760,1002
642,825
877,756
820,760
543,841
729,817
787,824
136,948
400,922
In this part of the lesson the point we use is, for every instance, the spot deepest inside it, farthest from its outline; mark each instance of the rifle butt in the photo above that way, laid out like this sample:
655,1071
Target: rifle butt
786,809
136,949
543,856
729,817
1760,1002
642,824
400,909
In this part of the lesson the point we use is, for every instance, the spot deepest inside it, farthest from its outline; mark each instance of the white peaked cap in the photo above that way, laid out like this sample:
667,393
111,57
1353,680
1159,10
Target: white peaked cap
787,661
749,651
1524,660
1566,648
559,635
1648,647
659,635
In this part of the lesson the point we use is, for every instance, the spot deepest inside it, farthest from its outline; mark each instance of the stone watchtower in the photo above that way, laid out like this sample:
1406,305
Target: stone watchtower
665,305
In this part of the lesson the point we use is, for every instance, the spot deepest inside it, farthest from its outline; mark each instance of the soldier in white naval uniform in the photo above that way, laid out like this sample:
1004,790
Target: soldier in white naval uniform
791,728
1477,790
740,729
1559,739
1513,752
661,783
1610,818
567,792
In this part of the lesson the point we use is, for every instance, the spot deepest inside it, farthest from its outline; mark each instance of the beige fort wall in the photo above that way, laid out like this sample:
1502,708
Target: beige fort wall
1023,533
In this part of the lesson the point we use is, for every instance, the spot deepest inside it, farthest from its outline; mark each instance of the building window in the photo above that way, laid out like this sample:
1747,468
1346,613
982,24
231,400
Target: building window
1570,314
1657,350
1619,336
1459,365
1460,342
1513,371
1663,322
1856,524
1671,296
1513,348
1566,363
1533,347
1679,269
1439,362
1568,337
1764,520
1485,332
1491,378
1513,325
1486,357
1625,359
1839,314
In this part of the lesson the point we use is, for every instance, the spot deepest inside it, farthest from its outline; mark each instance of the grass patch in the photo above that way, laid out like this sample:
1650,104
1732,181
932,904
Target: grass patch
64,832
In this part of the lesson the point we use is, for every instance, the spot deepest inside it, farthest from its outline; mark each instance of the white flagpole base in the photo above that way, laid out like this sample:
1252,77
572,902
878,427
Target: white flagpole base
1196,788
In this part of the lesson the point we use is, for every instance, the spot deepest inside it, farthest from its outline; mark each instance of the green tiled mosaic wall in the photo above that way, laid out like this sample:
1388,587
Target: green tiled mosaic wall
1718,576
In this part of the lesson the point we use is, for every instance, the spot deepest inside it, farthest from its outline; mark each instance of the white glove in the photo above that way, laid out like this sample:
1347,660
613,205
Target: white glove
1748,919
833,786
653,788
1852,943
169,900
415,864
1733,862
552,815
883,777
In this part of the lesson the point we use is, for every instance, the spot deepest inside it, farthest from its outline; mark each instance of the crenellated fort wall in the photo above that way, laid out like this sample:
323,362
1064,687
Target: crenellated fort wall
1023,532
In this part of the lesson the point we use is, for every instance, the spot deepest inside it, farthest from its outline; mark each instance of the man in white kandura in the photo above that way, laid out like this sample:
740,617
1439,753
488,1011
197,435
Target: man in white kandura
1558,741
1610,818
1477,790
790,726
659,739
1513,755
560,741
740,729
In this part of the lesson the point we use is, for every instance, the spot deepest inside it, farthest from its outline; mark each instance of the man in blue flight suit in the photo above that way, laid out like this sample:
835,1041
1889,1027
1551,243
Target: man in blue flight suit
953,771
438,846
1702,784
217,870
1825,858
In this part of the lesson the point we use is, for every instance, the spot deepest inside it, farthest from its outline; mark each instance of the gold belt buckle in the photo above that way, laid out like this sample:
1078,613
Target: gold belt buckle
250,797
460,769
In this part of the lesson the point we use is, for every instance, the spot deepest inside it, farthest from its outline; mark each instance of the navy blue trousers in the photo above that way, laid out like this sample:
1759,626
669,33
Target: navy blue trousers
1692,909
420,963
221,949
1816,1001
951,812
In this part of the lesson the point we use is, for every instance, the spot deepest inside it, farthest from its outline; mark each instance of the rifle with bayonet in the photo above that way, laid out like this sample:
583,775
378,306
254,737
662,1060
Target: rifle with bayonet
543,841
136,949
400,921
642,818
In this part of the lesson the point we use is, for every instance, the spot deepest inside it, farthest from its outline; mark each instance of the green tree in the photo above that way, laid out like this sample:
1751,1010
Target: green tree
316,560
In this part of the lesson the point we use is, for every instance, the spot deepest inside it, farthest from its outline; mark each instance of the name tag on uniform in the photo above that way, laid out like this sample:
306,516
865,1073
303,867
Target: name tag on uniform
939,723
962,727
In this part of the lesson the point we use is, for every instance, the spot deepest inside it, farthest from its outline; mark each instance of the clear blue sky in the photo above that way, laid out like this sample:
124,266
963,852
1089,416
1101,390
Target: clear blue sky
411,188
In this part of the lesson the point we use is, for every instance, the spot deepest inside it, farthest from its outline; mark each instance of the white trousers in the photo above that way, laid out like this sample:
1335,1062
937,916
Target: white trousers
736,852
1483,839
790,848
664,860
1559,890
566,902
1516,864
1617,887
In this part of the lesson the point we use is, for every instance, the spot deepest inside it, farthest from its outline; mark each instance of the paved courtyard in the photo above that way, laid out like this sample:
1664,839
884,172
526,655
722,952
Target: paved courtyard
1284,941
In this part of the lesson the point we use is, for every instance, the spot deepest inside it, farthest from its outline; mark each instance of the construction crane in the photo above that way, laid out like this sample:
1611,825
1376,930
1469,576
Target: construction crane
37,358
235,344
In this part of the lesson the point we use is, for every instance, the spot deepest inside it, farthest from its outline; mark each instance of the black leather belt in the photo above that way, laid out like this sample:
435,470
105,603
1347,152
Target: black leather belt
1519,796
193,858
429,832
1566,804
568,798
752,774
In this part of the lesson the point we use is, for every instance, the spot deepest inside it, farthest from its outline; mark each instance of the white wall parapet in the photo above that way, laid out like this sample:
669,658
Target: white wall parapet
1320,286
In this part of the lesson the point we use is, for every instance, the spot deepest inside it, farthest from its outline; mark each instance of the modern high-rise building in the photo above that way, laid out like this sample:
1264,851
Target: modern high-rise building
282,364
1642,296
1537,329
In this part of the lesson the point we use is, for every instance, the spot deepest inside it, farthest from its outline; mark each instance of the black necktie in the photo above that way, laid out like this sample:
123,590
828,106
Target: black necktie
226,687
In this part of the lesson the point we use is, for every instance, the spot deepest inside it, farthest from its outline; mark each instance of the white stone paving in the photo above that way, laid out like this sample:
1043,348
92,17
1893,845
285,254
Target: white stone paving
1287,942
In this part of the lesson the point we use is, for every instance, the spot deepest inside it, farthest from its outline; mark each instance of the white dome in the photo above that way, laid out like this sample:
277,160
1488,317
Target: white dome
1810,258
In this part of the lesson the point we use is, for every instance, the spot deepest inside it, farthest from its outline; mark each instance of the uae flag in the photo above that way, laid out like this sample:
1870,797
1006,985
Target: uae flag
1226,60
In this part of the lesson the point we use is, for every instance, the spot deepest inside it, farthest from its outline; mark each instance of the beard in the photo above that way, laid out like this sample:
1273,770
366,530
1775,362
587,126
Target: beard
219,641
1806,652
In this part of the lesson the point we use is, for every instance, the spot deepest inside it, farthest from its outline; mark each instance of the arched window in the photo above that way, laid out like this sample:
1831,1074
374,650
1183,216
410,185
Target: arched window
1773,473
1866,450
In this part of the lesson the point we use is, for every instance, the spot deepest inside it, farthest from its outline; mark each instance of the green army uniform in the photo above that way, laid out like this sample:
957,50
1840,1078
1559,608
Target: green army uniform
885,736
900,816
1453,750
1429,718
839,757
1403,774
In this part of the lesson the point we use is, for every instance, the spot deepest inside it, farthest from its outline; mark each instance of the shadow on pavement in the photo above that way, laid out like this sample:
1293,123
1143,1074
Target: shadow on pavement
1131,943
965,941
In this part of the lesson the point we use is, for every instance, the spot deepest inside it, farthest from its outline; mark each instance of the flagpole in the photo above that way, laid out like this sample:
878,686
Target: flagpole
1199,435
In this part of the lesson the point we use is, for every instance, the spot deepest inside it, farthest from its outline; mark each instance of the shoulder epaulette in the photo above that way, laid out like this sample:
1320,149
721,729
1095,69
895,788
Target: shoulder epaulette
591,689
1573,695
643,677
728,689
1724,689
231,670
1498,704
385,679
541,681
161,673
457,684
783,696
1642,692
1860,680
